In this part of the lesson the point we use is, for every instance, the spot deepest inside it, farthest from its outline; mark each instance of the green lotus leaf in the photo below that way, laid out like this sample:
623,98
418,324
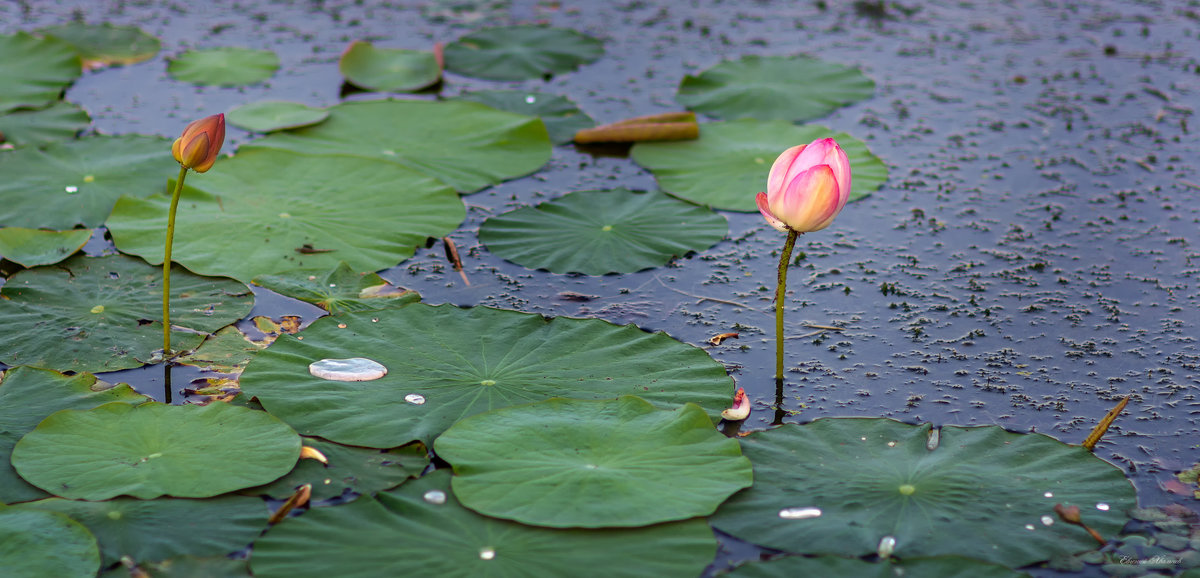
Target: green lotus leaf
104,313
521,52
269,211
940,567
592,463
226,351
188,567
340,289
36,70
419,529
561,116
466,145
273,115
445,363
37,544
27,396
33,247
598,232
57,122
225,66
104,44
155,530
841,486
76,183
791,88
388,69
187,451
361,470
728,165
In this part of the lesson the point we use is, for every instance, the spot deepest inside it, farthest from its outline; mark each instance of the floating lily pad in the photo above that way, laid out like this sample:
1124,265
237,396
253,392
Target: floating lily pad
35,544
840,486
598,232
188,451
459,362
466,145
521,52
273,115
296,211
388,69
419,529
592,463
27,396
225,66
340,289
154,530
561,116
33,247
76,182
792,88
57,122
36,70
728,164
105,313
104,44
360,470
940,567
226,351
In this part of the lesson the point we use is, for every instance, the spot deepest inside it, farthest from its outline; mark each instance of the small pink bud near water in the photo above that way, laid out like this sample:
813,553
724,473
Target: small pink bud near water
807,187
740,409
200,142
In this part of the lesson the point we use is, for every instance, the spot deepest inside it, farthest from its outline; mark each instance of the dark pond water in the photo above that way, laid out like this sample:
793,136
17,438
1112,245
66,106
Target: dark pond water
1032,259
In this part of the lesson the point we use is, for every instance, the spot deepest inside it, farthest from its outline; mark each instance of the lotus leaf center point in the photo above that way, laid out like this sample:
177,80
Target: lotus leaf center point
907,489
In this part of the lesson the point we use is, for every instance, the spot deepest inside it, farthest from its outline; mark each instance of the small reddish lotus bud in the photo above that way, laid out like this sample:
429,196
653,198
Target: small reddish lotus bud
1068,514
200,142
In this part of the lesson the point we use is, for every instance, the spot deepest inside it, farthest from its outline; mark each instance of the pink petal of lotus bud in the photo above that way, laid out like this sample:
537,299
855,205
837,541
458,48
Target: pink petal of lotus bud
740,409
200,142
807,187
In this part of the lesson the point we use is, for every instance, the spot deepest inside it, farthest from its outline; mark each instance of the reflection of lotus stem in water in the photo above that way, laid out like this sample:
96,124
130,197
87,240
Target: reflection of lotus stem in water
167,263
780,289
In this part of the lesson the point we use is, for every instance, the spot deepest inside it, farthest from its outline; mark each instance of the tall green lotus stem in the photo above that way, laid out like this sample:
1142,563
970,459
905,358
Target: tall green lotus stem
780,289
167,263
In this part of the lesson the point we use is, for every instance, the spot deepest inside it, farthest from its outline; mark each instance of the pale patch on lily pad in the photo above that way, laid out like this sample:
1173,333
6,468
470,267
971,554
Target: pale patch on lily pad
352,369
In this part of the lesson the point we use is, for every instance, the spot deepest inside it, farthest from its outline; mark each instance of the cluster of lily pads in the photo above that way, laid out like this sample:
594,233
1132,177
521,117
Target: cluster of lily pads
566,440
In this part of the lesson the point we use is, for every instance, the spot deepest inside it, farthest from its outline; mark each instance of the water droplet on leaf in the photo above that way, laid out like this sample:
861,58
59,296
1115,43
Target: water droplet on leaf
353,369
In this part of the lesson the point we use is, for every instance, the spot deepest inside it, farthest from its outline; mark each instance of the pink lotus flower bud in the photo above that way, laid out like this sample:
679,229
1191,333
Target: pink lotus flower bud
200,142
807,187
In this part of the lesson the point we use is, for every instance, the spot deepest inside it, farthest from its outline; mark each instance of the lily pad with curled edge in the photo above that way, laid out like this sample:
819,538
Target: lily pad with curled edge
154,530
339,289
843,486
271,211
33,247
466,145
34,543
791,88
561,116
187,451
105,313
36,70
57,122
445,363
273,115
521,52
104,44
76,182
728,165
350,469
27,396
592,463
939,567
225,66
419,529
598,232
388,69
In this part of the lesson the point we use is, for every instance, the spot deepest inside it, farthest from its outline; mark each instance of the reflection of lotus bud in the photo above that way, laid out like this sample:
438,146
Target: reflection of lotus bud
1068,514
807,187
200,142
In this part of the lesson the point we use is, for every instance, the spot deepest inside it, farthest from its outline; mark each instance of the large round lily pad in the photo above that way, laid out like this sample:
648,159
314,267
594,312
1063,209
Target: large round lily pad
840,486
940,567
388,69
105,313
76,182
360,470
598,232
728,164
561,116
57,122
33,247
151,450
466,145
419,529
27,396
225,66
445,363
593,463
521,52
103,44
792,88
37,544
35,71
269,211
154,530
273,115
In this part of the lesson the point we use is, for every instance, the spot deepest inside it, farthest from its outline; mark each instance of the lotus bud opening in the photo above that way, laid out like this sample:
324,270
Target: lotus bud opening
200,142
807,187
